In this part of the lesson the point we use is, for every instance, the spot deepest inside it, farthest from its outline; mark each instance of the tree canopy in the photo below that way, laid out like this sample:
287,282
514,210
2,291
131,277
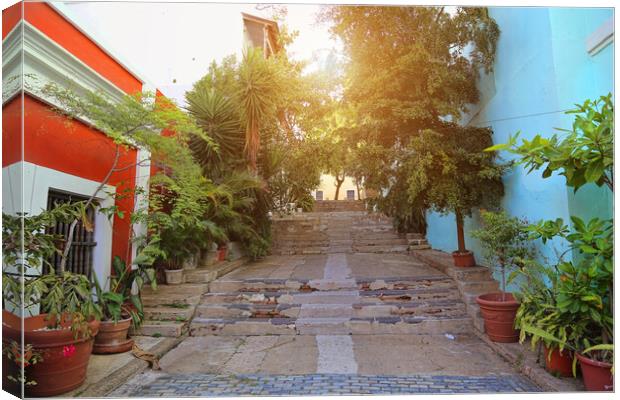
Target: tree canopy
410,76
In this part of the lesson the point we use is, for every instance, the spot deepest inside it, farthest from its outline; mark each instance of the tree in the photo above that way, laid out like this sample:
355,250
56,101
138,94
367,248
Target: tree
135,120
409,70
448,171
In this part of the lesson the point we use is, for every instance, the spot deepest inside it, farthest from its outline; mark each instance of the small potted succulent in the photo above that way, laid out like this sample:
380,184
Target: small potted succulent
506,246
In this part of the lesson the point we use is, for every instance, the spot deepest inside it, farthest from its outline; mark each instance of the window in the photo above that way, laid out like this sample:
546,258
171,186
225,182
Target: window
319,195
350,194
80,258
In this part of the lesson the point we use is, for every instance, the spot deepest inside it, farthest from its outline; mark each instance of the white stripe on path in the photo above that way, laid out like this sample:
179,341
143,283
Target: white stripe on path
336,267
336,355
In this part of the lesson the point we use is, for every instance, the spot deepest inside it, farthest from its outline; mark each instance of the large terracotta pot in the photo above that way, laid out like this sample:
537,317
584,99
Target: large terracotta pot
597,375
499,316
112,337
559,362
65,358
463,259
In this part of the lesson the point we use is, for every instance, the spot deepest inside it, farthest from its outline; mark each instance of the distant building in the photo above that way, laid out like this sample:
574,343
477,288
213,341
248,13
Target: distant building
348,191
260,32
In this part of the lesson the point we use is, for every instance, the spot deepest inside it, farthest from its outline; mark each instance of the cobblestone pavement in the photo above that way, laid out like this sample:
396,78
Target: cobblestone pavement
167,385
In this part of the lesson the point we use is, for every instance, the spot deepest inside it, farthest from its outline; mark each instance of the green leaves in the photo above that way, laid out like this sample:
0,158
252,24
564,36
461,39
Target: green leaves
584,155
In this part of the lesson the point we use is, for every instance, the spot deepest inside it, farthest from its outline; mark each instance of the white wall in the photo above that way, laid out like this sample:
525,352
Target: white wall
37,181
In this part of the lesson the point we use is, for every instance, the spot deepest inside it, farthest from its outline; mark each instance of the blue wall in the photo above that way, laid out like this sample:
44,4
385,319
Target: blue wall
542,68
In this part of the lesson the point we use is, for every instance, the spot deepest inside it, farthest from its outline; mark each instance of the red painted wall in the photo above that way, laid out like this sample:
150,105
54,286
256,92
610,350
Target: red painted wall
52,24
11,132
10,18
52,141
69,146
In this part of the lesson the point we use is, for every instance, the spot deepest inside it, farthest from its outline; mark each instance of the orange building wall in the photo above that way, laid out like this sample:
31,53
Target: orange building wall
69,146
74,148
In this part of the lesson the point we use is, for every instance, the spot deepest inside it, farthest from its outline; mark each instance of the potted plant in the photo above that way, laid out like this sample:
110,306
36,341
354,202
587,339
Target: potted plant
538,308
174,273
506,246
60,337
120,309
584,295
448,172
222,251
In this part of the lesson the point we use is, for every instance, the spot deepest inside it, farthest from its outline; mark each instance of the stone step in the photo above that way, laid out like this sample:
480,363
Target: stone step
155,299
478,287
362,310
168,313
331,326
471,274
375,235
381,249
200,275
380,242
470,298
239,310
292,285
419,247
162,328
184,288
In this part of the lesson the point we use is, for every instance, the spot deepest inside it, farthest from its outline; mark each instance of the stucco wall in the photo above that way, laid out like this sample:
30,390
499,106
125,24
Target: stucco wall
542,68
328,186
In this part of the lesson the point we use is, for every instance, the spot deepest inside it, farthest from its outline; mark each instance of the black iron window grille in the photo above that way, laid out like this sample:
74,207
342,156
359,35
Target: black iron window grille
80,257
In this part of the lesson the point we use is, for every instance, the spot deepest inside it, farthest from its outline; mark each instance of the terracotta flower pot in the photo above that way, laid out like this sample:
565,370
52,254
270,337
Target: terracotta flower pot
65,358
112,337
560,362
221,253
499,316
174,276
463,259
597,375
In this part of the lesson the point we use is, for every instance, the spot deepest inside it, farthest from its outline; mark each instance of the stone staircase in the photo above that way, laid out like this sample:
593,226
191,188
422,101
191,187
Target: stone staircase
471,282
340,232
169,309
390,305
339,205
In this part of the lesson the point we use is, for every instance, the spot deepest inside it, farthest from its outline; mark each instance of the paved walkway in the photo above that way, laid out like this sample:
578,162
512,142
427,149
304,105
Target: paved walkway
448,358
322,384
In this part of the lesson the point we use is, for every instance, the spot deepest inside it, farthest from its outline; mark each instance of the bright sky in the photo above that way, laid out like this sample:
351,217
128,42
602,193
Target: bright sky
177,41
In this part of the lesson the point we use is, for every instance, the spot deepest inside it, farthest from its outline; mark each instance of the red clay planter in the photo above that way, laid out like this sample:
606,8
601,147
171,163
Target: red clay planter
499,316
597,375
112,337
222,251
65,358
560,362
463,259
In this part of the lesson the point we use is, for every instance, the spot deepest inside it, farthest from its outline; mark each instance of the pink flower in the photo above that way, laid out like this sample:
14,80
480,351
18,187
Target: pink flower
68,351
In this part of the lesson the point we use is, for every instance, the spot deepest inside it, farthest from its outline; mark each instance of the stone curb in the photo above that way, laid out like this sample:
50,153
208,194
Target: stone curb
121,375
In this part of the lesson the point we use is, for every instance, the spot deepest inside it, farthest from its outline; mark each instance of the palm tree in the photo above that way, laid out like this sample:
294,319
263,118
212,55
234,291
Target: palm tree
219,118
259,86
